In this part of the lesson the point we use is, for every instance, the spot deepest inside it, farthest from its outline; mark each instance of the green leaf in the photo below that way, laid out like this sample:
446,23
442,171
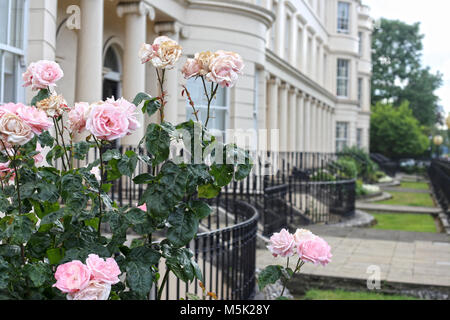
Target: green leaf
71,183
127,164
242,171
46,192
81,149
38,244
269,275
141,96
157,142
55,255
139,277
52,217
21,229
135,216
184,226
200,209
42,94
111,154
222,173
143,178
208,191
46,140
4,273
146,255
151,106
39,273
8,250
179,262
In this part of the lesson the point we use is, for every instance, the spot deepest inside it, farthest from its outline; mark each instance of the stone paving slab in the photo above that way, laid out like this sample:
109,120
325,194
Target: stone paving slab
352,234
417,262
396,208
407,190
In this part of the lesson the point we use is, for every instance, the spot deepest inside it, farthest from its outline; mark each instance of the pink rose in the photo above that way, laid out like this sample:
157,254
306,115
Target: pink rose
10,108
103,270
72,276
146,53
14,130
282,244
35,118
225,68
163,53
42,74
301,234
314,249
95,290
77,116
143,207
191,68
129,109
5,170
107,122
39,157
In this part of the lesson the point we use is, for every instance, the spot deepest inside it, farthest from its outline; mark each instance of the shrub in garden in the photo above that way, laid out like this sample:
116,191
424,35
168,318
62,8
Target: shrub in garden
51,216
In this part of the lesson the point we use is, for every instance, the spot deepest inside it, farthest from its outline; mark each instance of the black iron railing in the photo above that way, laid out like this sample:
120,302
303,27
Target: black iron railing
439,174
284,190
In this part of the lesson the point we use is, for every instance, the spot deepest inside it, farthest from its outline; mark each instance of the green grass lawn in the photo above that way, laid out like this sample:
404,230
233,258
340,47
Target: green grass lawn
405,222
414,185
409,199
314,294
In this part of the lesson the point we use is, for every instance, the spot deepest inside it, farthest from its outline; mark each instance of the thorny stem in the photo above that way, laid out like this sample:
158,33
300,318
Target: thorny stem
162,98
101,184
300,263
210,99
166,276
57,141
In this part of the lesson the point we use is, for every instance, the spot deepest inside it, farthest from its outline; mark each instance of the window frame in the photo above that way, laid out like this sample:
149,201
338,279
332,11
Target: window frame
341,140
204,107
342,79
18,54
359,137
343,22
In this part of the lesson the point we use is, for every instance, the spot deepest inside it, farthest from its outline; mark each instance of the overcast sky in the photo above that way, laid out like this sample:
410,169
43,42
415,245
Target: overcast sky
435,25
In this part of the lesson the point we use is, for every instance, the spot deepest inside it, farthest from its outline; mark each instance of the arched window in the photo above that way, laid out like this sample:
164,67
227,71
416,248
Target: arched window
112,74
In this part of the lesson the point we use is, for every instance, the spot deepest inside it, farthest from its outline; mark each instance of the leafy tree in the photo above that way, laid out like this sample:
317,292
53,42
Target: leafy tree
397,72
395,132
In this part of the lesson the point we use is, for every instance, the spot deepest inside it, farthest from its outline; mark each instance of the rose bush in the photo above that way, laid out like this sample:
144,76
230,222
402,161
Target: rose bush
52,211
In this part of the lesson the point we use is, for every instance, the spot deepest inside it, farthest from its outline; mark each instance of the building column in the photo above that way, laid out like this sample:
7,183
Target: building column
133,70
328,131
283,116
313,131
293,40
333,130
320,126
272,110
90,52
299,123
307,123
292,118
41,40
280,22
171,30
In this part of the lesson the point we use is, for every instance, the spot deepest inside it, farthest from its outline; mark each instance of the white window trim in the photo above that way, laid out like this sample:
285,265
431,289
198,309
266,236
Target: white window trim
342,140
19,53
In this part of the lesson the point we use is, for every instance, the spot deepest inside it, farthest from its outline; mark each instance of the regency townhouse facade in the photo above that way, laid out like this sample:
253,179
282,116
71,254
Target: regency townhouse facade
307,74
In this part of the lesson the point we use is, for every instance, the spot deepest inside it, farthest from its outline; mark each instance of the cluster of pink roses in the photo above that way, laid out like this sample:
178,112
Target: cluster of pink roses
221,67
163,53
19,124
90,281
308,246
42,75
107,120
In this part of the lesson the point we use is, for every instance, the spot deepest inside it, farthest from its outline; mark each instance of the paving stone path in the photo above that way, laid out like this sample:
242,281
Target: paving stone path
396,208
416,262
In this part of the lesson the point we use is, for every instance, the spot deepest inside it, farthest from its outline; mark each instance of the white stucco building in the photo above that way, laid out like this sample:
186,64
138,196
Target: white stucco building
308,62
